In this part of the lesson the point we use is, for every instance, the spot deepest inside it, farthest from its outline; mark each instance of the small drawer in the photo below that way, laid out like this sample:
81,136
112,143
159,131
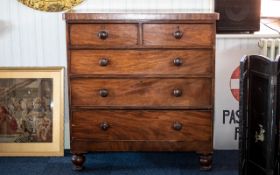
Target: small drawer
161,62
163,125
142,92
103,34
178,35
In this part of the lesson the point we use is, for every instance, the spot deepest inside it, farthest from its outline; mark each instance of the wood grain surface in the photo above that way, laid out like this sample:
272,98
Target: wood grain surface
142,125
138,15
147,85
118,34
137,62
83,146
199,35
141,92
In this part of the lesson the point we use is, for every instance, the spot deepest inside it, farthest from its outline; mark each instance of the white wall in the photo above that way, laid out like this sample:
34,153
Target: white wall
33,38
147,4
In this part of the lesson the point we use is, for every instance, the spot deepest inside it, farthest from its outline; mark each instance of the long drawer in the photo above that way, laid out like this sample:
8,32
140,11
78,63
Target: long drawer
193,35
132,125
165,62
142,92
103,34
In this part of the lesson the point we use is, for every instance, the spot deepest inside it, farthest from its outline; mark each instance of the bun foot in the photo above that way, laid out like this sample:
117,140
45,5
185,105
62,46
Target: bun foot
78,160
205,161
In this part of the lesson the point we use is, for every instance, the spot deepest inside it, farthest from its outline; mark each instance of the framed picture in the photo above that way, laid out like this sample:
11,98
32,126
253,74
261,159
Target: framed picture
32,111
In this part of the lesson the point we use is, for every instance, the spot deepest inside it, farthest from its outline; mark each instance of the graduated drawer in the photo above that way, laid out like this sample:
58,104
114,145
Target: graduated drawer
141,92
141,62
103,34
178,35
108,125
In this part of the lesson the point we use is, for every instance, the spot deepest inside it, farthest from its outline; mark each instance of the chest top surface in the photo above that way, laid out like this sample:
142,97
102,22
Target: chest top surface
140,15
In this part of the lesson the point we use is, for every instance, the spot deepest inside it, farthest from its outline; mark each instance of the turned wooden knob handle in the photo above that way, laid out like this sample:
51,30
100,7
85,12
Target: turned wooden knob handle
178,34
178,61
103,62
177,92
177,126
104,126
103,92
103,35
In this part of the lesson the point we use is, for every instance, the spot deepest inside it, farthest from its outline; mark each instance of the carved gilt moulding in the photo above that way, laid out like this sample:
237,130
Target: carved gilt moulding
51,5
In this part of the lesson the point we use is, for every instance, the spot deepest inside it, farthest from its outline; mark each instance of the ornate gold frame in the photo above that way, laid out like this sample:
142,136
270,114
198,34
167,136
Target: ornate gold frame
51,5
56,147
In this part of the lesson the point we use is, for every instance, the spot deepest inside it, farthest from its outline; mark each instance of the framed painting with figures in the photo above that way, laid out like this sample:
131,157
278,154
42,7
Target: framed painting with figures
32,111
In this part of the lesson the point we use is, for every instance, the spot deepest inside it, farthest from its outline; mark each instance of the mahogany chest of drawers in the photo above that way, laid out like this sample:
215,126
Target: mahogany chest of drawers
141,82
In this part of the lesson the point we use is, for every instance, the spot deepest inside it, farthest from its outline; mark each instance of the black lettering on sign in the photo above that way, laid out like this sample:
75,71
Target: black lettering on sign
236,133
230,116
237,116
225,114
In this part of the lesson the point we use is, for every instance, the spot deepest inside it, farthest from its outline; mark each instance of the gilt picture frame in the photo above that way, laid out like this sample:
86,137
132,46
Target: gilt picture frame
32,111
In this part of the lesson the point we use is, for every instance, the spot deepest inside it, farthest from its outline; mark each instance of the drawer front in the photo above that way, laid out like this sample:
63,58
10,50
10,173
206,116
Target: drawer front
102,125
141,62
192,35
103,34
150,92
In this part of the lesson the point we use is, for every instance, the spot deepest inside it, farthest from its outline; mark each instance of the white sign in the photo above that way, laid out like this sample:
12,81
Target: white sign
229,51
